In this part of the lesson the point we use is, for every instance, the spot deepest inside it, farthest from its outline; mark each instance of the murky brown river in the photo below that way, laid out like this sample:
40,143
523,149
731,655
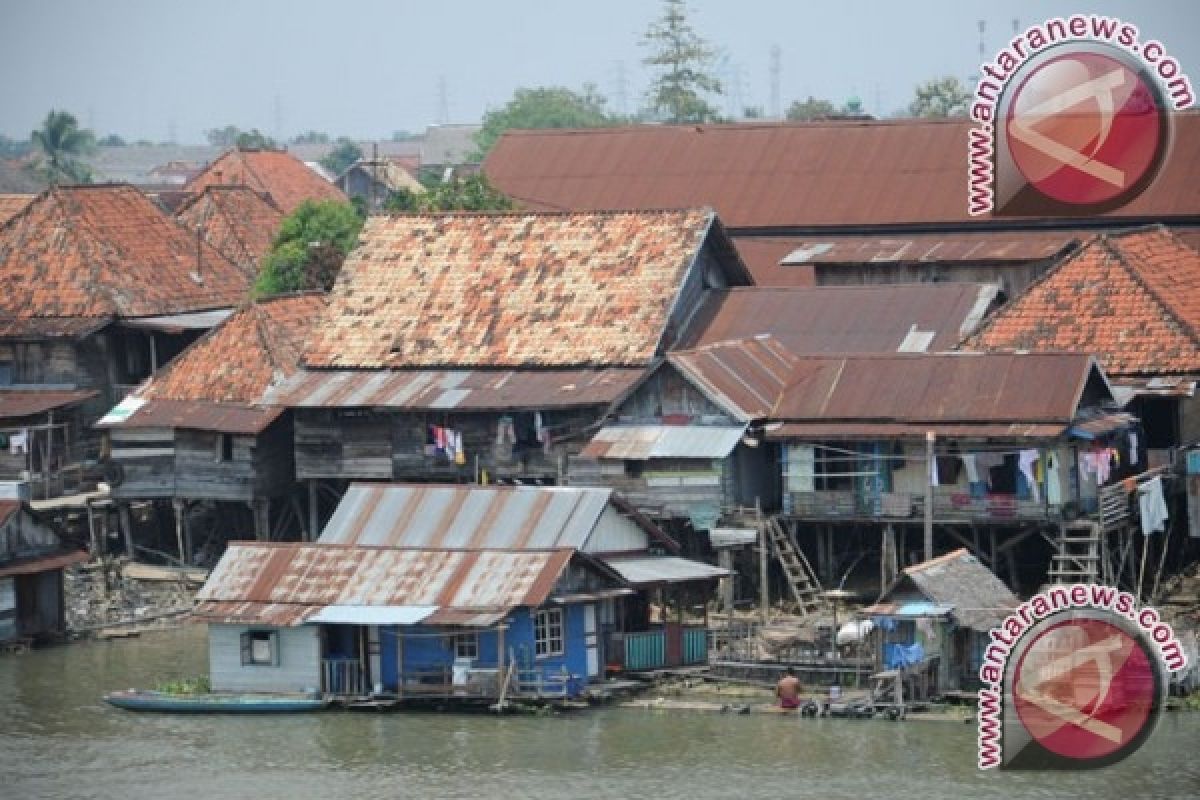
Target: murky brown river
58,740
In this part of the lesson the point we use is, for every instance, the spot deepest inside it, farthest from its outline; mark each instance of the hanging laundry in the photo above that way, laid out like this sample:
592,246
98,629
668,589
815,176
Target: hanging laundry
1025,461
460,455
18,443
1053,481
539,427
1152,506
1133,448
986,462
506,437
933,472
968,460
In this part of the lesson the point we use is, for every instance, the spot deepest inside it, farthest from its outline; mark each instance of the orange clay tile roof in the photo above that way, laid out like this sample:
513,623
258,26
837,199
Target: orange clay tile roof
237,361
99,252
238,221
12,204
1132,299
279,174
508,290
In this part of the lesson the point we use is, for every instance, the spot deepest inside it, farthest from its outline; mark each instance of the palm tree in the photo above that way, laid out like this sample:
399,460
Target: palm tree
62,141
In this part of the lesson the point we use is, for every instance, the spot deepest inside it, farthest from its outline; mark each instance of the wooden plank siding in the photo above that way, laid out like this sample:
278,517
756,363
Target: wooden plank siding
380,445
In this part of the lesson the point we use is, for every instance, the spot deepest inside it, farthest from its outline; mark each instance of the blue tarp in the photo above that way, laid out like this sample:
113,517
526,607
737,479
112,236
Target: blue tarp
897,656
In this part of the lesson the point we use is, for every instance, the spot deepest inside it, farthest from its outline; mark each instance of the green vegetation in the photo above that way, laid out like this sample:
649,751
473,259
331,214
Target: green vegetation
309,249
940,97
233,136
810,109
472,193
545,107
198,685
60,142
683,60
344,153
311,137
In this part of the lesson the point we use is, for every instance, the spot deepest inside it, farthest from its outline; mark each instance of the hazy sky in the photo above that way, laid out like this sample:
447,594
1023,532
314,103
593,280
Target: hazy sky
365,68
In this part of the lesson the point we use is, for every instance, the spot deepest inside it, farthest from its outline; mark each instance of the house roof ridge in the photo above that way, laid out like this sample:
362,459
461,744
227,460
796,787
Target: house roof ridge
1166,304
743,126
516,212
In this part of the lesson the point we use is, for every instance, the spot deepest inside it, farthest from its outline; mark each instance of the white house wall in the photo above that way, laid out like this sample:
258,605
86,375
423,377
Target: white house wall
299,668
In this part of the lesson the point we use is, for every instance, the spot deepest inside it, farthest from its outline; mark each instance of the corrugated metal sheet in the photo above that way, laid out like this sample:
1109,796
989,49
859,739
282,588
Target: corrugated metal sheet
851,430
843,319
948,388
646,570
294,582
50,327
732,537
463,390
982,247
778,174
27,402
743,376
174,323
373,615
472,517
136,412
642,442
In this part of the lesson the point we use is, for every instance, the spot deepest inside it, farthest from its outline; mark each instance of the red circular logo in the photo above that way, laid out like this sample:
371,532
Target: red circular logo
1085,689
1086,128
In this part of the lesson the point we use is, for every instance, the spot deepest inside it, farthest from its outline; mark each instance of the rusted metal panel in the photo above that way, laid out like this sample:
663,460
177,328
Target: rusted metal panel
195,415
844,319
948,388
642,442
287,584
763,174
27,402
43,564
850,430
743,376
461,390
473,517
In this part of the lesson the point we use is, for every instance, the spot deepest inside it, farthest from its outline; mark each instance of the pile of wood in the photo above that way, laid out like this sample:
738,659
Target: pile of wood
116,593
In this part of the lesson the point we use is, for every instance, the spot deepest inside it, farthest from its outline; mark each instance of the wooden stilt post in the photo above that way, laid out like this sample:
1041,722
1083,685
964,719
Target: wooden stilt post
126,521
177,507
725,561
95,542
930,467
763,588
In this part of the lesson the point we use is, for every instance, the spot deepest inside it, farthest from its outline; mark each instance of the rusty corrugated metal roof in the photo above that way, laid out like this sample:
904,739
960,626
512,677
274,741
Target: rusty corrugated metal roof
744,376
473,517
27,402
193,414
952,388
460,390
33,566
851,430
845,173
642,442
289,582
844,319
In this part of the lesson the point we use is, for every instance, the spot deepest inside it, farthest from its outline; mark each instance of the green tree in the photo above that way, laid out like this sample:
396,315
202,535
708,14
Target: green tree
472,193
254,140
940,97
683,60
112,140
309,249
344,153
544,107
223,137
311,137
61,142
810,109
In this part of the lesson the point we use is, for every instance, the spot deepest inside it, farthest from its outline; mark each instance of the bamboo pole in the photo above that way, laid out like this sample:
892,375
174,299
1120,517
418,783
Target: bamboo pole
929,468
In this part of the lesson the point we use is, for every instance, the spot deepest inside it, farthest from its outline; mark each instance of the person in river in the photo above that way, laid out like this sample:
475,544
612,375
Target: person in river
788,690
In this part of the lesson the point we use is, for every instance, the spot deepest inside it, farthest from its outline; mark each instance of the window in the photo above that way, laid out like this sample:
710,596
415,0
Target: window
466,645
260,649
548,632
6,373
224,447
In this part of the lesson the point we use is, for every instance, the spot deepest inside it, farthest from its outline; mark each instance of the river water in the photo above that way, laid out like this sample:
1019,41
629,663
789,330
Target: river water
58,740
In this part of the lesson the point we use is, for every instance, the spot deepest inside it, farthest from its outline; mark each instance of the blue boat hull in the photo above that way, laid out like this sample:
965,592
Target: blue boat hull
213,703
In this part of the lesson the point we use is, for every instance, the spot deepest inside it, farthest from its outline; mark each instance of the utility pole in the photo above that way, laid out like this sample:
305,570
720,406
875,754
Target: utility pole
776,69
930,474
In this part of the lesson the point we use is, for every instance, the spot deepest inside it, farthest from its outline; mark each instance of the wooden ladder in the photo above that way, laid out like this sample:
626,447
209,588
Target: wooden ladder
802,581
1078,559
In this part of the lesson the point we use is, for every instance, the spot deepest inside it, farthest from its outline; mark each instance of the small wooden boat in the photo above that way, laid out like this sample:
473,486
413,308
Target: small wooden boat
145,700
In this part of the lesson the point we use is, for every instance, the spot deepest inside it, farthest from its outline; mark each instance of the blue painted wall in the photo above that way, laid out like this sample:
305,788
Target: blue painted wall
423,651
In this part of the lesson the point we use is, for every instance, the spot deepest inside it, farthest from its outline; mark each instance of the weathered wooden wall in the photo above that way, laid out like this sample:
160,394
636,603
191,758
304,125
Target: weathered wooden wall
299,666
